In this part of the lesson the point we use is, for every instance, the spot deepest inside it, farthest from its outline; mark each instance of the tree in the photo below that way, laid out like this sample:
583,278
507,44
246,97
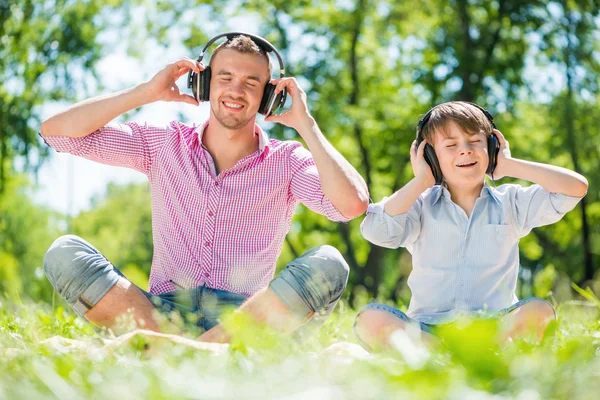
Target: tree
48,49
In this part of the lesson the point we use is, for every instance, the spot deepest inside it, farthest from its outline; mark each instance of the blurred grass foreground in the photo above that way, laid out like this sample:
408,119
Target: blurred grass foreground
48,354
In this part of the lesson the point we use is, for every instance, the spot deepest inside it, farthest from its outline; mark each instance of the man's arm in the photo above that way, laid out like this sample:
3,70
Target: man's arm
340,182
552,178
85,117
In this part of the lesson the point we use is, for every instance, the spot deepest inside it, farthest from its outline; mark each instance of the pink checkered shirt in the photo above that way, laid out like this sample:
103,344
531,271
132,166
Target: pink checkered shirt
223,231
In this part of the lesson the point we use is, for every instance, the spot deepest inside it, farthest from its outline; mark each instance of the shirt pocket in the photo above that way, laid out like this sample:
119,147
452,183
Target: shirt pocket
492,245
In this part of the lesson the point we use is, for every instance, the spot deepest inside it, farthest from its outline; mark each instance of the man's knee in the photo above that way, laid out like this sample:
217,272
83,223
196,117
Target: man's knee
63,258
313,282
329,270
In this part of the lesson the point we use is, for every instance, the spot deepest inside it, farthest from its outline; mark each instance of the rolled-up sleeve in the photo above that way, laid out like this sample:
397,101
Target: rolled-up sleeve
534,206
130,144
383,230
305,185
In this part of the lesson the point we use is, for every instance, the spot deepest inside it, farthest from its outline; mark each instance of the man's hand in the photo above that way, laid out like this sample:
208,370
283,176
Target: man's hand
504,156
163,87
421,169
297,116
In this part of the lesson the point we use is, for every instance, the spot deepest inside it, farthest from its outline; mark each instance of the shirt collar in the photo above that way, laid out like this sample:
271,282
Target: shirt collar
440,190
263,138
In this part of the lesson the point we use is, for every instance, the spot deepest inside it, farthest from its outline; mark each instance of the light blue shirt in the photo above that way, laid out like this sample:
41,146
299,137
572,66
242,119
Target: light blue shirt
464,265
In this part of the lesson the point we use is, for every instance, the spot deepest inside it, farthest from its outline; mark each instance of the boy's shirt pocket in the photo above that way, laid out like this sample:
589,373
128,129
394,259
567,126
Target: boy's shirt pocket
492,244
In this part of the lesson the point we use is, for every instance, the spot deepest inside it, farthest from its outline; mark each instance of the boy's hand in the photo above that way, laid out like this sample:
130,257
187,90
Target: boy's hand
504,156
421,169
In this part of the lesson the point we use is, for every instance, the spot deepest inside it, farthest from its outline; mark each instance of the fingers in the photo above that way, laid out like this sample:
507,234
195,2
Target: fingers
187,64
500,136
417,151
290,83
277,118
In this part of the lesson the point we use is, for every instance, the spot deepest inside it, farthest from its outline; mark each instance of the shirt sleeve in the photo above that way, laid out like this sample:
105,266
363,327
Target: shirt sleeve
534,206
130,144
383,230
305,185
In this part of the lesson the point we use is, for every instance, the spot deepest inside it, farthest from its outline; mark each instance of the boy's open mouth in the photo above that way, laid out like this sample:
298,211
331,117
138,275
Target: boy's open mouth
466,165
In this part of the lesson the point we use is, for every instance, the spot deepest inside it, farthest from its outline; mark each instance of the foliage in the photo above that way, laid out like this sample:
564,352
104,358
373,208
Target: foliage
469,364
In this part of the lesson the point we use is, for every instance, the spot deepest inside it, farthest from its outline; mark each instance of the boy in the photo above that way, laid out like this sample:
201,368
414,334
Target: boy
463,234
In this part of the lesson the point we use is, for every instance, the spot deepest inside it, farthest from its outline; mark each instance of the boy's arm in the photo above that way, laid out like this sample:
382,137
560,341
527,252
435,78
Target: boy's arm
86,117
396,221
401,201
552,178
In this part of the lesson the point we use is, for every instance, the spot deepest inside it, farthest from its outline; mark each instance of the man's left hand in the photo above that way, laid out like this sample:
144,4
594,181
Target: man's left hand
297,116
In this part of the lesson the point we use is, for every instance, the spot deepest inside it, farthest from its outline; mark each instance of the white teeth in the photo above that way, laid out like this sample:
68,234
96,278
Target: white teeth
466,164
232,105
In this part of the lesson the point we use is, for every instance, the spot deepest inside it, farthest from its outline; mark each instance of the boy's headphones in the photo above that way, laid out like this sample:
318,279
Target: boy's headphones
200,82
431,158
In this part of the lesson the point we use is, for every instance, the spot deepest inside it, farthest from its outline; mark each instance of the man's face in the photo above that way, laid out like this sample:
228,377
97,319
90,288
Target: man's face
463,158
236,87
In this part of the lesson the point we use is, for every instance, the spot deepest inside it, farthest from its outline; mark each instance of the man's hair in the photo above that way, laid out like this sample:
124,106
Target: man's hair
243,44
470,119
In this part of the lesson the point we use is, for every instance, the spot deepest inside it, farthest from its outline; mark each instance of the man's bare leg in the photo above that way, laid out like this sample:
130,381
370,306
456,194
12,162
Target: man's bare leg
264,307
122,298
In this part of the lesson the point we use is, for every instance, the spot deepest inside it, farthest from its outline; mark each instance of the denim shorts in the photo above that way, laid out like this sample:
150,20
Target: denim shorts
310,286
431,328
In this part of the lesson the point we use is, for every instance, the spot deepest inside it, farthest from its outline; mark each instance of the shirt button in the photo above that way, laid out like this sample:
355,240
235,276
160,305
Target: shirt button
210,213
462,284
206,274
207,243
216,183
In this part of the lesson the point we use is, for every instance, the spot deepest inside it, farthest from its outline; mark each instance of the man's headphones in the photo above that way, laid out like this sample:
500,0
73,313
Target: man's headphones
200,82
431,158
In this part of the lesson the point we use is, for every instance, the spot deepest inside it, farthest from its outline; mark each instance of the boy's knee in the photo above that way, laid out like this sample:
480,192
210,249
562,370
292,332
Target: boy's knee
373,327
541,309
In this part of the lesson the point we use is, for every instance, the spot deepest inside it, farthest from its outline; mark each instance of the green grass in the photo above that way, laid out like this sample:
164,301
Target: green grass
260,364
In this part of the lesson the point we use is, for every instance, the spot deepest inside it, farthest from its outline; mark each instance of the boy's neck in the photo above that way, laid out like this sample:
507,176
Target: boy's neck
465,197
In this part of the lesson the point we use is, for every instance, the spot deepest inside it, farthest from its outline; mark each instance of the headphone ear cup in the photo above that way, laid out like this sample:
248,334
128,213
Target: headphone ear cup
203,85
493,150
431,158
270,101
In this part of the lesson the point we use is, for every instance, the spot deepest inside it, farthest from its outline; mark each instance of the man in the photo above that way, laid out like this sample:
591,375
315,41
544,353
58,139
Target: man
223,195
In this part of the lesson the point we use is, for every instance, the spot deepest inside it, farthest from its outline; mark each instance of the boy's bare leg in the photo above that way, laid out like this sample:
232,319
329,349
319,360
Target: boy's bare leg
530,319
374,328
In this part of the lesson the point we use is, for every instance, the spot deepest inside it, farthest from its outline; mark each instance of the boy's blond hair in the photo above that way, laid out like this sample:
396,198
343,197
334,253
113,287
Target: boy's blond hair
469,119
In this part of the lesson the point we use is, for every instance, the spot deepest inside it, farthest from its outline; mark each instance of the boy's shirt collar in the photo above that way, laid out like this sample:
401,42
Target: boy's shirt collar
440,190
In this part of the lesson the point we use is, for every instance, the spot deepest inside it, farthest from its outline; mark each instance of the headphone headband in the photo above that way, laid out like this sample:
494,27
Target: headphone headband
260,42
426,117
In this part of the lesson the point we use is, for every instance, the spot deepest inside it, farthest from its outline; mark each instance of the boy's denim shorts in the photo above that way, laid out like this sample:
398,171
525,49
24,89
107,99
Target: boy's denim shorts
430,328
310,286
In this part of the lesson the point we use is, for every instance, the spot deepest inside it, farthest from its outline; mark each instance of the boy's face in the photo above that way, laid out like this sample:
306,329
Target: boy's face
236,87
463,158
